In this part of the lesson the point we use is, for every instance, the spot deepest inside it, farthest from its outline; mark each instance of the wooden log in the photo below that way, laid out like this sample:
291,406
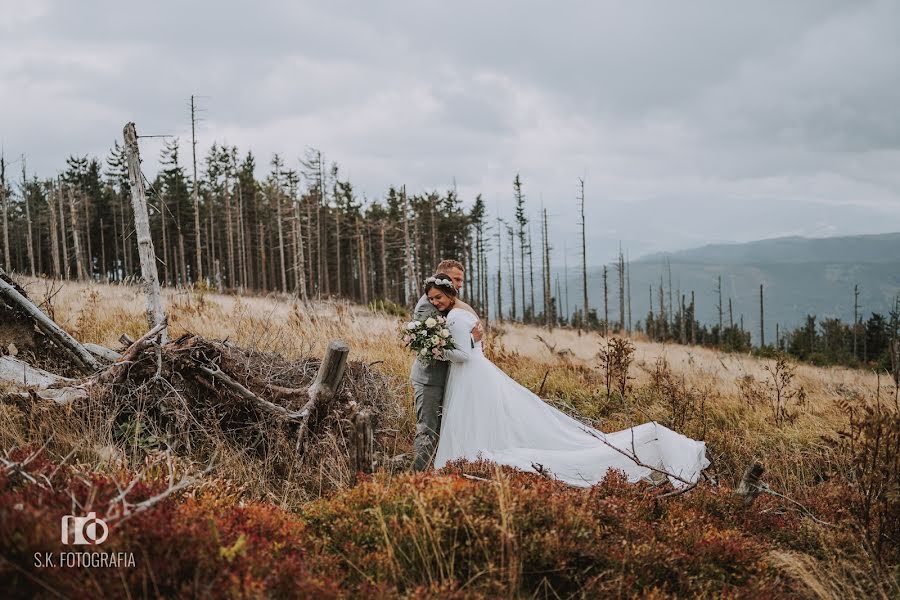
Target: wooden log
325,385
749,487
14,298
155,311
364,443
103,352
19,372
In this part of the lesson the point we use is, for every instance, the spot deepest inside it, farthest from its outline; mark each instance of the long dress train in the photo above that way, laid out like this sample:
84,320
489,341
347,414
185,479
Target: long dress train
487,414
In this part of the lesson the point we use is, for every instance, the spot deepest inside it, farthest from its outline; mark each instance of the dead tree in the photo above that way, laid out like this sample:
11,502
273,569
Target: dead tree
521,221
62,231
29,238
605,301
628,289
79,265
762,328
719,306
583,254
620,268
4,201
195,193
855,317
155,311
54,240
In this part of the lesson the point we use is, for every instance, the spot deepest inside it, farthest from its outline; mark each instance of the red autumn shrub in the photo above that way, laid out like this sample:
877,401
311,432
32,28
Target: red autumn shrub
496,532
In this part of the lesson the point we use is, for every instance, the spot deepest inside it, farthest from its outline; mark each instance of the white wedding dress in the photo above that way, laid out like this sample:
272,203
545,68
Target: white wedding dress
488,415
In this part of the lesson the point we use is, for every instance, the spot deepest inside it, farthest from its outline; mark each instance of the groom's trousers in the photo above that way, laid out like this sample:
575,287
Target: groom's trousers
429,401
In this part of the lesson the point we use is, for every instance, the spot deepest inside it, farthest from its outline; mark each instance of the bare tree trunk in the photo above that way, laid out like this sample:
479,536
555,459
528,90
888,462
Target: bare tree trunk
499,273
4,198
628,290
74,214
155,312
54,240
62,231
855,314
545,275
719,289
30,237
103,268
620,268
262,257
284,286
531,271
89,256
583,253
195,193
229,237
605,301
300,268
671,305
693,320
363,266
384,281
762,325
126,254
337,243
242,238
512,272
313,281
182,258
434,245
410,287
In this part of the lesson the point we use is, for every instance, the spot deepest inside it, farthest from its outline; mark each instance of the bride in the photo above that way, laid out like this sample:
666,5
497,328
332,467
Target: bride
488,415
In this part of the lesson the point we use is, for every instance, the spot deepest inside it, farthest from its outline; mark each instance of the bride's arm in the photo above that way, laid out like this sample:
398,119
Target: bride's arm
459,333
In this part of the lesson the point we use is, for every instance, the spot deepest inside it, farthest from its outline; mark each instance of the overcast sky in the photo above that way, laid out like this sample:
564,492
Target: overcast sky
691,122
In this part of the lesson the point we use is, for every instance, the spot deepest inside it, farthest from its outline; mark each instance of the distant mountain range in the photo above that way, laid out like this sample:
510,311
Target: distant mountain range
800,276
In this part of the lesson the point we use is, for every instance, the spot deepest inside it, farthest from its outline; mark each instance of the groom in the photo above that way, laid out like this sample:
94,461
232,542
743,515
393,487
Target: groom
428,381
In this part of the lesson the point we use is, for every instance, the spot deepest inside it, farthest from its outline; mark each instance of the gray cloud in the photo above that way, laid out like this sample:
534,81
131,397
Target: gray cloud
691,122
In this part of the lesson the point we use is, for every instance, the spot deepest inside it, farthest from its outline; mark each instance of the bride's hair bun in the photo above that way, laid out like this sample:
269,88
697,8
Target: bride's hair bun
442,282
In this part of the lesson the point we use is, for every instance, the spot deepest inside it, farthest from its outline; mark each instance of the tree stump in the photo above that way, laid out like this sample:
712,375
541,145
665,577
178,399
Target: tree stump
749,487
364,443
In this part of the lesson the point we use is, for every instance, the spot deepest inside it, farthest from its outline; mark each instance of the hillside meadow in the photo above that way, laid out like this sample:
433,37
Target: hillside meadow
246,528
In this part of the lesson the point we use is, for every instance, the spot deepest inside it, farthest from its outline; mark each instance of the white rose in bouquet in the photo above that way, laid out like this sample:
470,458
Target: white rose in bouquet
445,333
430,322
411,325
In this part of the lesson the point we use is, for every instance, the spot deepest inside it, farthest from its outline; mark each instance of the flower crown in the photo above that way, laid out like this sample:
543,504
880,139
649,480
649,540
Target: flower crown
440,282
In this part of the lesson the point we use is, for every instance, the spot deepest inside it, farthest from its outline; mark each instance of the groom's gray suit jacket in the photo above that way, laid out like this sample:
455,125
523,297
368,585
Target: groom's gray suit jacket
436,372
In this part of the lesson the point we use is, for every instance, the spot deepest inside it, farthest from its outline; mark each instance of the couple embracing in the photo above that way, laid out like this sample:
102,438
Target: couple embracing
468,408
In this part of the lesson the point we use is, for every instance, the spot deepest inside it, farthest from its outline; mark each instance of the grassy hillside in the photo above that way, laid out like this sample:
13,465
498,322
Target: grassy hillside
471,530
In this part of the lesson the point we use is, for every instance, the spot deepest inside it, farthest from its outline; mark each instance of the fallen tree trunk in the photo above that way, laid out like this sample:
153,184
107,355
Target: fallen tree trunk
15,299
19,372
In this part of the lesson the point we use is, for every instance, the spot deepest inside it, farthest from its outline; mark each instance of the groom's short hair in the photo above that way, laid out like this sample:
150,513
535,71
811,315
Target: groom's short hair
449,263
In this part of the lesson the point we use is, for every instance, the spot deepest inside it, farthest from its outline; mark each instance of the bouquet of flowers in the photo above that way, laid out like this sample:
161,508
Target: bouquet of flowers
428,338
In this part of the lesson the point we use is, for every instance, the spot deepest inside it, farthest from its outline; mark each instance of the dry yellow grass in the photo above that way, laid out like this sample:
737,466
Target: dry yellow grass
736,432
